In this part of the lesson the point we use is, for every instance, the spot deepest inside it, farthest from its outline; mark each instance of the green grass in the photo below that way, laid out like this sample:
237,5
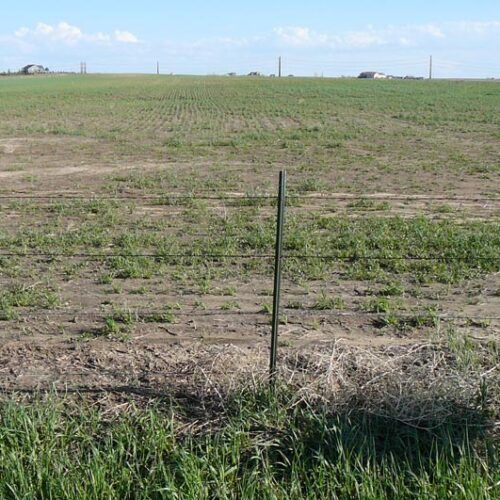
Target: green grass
263,446
22,296
467,249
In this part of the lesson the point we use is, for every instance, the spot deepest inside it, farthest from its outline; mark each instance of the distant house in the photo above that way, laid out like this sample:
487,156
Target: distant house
34,69
254,73
373,75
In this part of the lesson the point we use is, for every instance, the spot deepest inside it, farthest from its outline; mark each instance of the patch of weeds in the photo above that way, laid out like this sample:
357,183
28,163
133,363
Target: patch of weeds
226,292
444,209
427,318
311,184
328,303
7,312
105,279
295,304
478,323
133,267
393,289
166,316
230,306
199,304
463,347
124,316
370,205
111,330
204,286
378,305
267,308
18,295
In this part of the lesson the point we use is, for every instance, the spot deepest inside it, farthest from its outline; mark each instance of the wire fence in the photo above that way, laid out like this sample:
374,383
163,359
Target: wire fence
209,256
155,315
279,257
205,195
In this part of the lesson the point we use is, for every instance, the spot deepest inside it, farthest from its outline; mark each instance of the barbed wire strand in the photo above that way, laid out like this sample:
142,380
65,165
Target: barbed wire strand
155,316
210,256
230,196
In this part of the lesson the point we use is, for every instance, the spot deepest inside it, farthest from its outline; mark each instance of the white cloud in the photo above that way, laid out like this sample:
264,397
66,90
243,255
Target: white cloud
45,29
125,37
431,30
475,27
69,34
22,32
299,36
363,39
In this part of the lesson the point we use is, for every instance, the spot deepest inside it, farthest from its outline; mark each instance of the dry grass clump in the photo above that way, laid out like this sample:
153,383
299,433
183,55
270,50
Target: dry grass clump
422,385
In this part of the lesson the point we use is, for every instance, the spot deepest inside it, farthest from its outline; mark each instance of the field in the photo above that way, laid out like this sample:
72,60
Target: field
137,236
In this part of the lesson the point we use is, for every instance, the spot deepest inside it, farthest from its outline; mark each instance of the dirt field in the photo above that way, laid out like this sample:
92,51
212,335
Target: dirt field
135,172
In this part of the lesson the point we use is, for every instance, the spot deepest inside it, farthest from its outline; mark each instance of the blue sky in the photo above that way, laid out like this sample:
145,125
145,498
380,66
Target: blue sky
202,37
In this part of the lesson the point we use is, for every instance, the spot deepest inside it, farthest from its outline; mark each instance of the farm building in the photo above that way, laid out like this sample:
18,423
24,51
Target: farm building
373,75
34,69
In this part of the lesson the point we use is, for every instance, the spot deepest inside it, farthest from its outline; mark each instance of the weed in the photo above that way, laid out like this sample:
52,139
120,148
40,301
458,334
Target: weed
230,306
326,303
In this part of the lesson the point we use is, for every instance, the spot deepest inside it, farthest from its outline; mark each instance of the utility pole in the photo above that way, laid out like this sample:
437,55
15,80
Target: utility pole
157,67
430,68
279,67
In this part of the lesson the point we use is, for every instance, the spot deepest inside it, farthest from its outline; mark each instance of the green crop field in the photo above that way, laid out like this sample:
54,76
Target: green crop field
357,136
137,232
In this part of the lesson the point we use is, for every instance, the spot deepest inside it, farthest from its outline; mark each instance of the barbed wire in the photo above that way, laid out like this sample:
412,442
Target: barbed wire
159,316
419,317
232,196
130,374
390,258
215,256
104,256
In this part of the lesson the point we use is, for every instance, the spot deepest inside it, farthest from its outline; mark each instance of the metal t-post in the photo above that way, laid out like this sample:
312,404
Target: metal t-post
280,221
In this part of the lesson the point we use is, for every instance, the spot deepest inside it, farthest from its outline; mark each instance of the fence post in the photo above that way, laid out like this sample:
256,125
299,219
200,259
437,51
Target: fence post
277,275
